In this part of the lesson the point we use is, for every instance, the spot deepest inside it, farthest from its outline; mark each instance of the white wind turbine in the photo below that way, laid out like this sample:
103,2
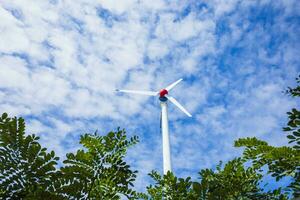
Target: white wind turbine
163,97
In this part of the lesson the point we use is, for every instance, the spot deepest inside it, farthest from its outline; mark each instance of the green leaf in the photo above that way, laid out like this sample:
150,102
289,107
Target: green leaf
4,115
291,137
287,129
296,133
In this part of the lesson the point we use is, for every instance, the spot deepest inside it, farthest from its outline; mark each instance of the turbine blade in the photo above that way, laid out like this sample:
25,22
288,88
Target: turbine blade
149,93
168,88
174,101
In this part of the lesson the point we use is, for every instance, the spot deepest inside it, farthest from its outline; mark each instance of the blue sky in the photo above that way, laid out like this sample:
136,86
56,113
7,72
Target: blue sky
60,62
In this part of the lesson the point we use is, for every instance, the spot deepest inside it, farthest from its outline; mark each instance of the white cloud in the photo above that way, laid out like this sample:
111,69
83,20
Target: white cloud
157,49
13,36
13,69
118,7
222,7
184,29
15,110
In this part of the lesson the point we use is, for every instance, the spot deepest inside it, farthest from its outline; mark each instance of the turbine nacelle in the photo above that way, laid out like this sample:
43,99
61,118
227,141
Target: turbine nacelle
163,95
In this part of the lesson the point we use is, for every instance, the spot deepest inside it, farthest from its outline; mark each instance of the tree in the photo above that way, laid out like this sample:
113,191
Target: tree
170,187
26,169
98,171
233,181
281,161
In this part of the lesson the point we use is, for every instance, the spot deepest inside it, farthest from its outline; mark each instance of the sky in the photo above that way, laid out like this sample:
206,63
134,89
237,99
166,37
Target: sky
61,61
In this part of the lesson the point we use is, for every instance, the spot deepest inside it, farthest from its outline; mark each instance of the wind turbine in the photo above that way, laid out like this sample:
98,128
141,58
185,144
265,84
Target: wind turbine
163,95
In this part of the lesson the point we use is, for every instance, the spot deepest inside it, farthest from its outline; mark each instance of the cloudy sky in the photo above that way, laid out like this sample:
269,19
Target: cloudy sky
61,60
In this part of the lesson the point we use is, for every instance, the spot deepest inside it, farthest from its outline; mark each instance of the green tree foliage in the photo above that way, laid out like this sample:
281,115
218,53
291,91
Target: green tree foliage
99,171
294,92
281,161
233,181
293,125
170,187
26,169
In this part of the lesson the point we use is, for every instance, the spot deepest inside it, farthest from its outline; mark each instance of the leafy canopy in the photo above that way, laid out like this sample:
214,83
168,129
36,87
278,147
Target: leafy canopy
26,169
98,171
281,161
231,181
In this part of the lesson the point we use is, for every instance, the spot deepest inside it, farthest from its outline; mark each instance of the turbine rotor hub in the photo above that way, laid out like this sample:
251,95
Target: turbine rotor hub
163,92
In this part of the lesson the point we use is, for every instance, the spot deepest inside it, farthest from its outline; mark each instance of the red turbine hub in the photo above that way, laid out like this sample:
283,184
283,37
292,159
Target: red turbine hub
163,92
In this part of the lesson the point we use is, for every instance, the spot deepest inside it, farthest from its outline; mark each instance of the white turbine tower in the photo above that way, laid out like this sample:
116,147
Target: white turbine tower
163,97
